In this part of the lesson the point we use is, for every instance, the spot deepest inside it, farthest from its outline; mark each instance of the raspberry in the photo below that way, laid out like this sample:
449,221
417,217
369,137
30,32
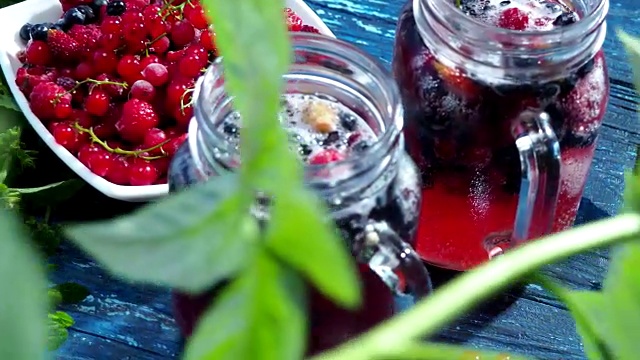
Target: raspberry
38,53
309,29
137,118
326,156
513,19
86,36
294,22
63,46
50,101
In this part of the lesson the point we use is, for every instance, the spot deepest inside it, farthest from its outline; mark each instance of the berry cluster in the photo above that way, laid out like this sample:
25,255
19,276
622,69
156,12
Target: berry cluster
112,80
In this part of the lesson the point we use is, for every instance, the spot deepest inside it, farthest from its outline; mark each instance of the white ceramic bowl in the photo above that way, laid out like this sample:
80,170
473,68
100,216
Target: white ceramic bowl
39,11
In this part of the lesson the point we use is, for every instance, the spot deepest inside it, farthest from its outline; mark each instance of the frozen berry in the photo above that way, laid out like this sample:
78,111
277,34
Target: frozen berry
347,121
156,74
566,18
326,156
143,90
513,19
116,8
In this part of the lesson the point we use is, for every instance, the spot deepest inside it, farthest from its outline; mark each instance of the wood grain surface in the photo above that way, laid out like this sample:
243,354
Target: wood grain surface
119,321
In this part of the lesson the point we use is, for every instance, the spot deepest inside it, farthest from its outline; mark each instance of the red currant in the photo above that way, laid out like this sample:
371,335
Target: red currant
142,173
143,90
97,102
156,74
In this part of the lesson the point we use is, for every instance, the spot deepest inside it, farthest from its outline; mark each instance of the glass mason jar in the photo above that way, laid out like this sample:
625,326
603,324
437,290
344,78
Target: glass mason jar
501,123
373,198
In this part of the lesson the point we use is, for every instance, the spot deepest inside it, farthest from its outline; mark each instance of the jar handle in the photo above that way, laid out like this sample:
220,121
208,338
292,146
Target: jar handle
393,260
540,175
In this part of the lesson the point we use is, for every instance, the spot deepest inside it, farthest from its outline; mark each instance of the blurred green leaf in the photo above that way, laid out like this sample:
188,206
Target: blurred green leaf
61,318
311,245
23,313
258,316
58,334
434,351
187,241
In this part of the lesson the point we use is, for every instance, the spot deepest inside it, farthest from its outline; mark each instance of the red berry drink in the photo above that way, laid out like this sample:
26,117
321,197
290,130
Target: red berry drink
478,90
353,159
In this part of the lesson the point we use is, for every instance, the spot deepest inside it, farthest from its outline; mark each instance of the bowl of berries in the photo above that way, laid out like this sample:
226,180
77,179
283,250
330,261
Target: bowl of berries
107,84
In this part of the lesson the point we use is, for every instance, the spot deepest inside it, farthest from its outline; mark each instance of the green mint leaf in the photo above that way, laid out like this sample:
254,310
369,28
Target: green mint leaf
61,318
47,236
72,293
253,75
57,335
632,45
188,241
621,302
586,307
261,315
51,194
313,247
23,311
6,99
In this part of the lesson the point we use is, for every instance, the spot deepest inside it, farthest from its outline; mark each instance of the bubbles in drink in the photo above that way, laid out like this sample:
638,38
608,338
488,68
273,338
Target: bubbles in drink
520,14
320,129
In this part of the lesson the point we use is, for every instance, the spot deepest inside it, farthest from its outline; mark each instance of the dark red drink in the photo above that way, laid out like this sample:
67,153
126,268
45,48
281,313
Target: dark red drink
353,159
476,103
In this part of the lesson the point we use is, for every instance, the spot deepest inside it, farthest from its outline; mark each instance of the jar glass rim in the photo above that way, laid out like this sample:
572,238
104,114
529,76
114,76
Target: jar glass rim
343,51
589,21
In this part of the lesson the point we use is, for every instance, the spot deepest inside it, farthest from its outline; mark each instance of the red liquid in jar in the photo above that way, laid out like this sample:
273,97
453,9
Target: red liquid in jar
458,132
330,325
395,203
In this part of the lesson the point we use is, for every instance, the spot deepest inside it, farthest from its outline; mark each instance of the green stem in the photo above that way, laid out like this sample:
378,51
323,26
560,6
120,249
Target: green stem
432,351
463,293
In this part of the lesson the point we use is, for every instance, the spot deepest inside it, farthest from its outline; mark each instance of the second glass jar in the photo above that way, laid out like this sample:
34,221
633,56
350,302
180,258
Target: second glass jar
373,192
501,123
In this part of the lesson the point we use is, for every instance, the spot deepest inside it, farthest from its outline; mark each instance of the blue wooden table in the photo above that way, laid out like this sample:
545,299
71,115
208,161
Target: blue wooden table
119,321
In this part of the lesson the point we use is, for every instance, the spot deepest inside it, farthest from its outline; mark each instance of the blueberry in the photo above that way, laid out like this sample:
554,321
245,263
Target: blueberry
566,18
89,15
116,8
347,121
74,16
360,146
60,25
305,149
553,6
331,138
97,4
25,32
230,129
586,68
579,140
505,3
39,32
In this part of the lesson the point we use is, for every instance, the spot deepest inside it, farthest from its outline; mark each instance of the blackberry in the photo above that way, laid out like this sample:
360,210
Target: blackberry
331,138
360,146
566,18
347,121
